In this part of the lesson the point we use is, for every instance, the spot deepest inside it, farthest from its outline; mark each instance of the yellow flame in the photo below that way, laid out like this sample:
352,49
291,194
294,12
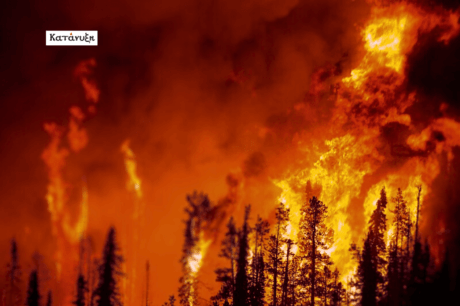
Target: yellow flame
134,182
341,168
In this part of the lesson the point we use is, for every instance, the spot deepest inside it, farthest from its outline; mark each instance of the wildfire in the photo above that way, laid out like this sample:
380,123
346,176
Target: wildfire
352,155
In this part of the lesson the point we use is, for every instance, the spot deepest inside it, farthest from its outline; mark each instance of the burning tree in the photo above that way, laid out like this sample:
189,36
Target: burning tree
275,253
199,214
314,239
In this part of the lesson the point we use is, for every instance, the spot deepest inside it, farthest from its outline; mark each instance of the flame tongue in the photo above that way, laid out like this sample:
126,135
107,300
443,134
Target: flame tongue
67,231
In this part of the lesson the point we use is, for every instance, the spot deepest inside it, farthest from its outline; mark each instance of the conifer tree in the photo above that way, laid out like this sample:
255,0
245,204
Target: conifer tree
226,276
12,293
274,252
338,292
82,289
33,292
285,289
198,211
241,282
257,280
314,239
399,254
293,296
371,265
107,291
367,272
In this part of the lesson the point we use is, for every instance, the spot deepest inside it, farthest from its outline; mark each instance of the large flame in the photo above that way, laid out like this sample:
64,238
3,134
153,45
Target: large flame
353,153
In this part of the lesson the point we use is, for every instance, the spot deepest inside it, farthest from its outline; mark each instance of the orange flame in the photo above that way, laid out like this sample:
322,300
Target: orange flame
352,155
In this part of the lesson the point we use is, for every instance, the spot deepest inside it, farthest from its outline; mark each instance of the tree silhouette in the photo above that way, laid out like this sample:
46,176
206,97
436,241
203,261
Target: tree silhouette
82,289
33,292
199,212
367,273
285,287
399,254
107,291
257,280
338,292
371,265
226,276
314,239
275,243
241,282
12,292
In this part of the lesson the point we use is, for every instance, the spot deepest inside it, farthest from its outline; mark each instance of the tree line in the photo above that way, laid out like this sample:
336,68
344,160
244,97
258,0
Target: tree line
106,292
266,266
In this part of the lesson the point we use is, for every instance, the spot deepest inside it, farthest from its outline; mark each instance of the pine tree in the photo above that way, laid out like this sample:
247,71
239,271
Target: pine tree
378,228
257,280
416,263
314,239
338,292
394,282
12,293
285,288
399,256
33,293
293,296
371,265
107,291
198,211
367,272
259,288
82,289
241,282
226,276
275,243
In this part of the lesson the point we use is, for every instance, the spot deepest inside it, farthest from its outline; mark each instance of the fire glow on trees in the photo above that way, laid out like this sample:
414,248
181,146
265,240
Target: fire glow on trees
370,140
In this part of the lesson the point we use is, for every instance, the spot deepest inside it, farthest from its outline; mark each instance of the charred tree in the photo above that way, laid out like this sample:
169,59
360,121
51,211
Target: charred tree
107,291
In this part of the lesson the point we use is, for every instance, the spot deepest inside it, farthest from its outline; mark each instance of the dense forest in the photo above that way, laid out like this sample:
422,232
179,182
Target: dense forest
264,266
